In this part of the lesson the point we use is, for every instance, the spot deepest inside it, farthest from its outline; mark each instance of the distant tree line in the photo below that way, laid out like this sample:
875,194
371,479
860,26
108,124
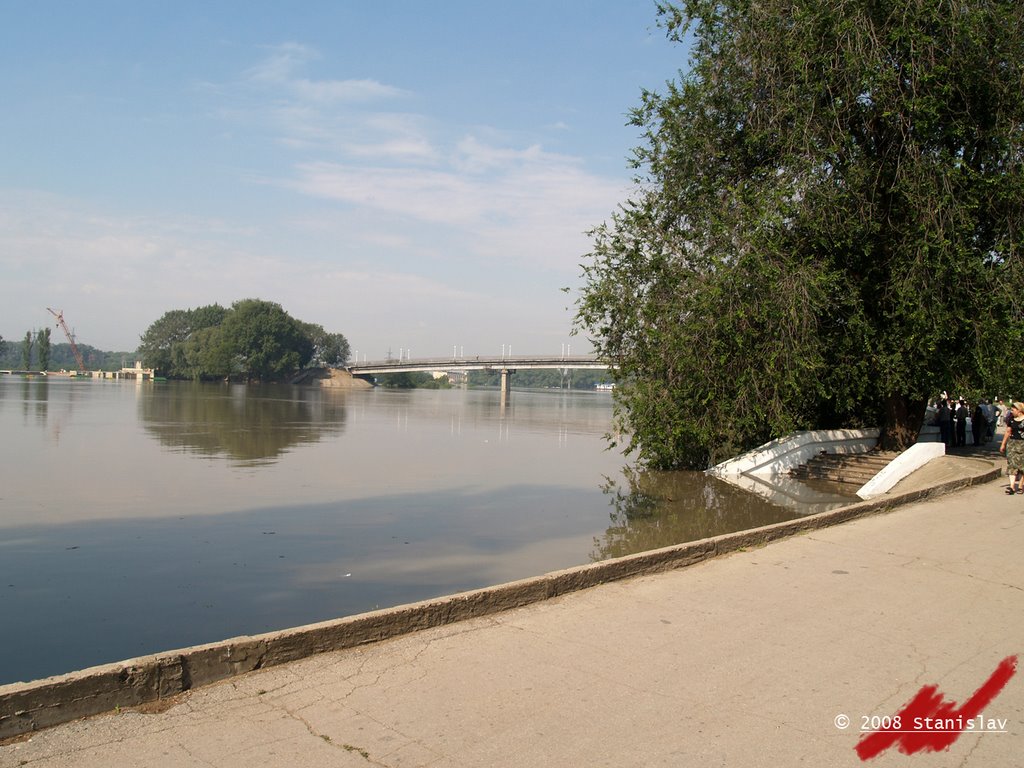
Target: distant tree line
252,339
412,380
543,378
538,378
37,353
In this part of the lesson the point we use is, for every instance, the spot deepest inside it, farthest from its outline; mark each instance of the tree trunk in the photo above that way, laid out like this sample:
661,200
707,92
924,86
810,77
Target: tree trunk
903,419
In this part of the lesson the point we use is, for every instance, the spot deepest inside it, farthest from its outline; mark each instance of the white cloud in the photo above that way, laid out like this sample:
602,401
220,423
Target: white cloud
527,205
427,195
475,157
505,201
332,115
283,60
280,67
343,90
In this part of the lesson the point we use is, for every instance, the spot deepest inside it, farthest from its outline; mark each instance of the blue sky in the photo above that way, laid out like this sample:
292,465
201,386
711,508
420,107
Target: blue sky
417,176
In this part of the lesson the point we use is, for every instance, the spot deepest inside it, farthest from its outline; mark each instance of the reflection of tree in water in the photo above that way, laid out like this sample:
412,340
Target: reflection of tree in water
659,509
247,423
35,393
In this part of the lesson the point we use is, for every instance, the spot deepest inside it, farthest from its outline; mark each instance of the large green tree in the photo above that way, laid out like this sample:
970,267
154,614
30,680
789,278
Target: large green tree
26,351
265,340
329,349
163,345
43,343
826,227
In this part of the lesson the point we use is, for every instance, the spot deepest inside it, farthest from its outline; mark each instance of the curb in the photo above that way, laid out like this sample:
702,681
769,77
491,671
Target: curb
26,707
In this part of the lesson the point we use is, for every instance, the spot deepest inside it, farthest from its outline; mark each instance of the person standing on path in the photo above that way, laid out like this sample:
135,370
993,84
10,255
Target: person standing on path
942,419
1013,445
979,423
990,419
962,413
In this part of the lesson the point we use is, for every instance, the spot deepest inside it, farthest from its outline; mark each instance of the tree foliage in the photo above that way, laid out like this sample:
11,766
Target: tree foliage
262,340
411,380
165,344
43,345
329,349
543,378
826,227
252,339
26,351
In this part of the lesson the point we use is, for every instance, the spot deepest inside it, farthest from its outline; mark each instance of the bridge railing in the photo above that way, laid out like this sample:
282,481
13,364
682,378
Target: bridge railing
481,361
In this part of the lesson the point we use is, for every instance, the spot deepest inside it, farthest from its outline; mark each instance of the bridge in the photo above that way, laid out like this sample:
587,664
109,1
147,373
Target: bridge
505,364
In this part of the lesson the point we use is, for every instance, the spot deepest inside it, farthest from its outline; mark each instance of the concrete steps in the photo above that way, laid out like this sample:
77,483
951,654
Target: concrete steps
847,469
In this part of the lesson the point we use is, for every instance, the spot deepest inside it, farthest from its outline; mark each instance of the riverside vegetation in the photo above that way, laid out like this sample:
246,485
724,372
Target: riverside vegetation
252,340
826,228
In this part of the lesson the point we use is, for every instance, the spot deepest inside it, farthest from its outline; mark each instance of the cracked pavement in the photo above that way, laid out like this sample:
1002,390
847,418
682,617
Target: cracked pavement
741,660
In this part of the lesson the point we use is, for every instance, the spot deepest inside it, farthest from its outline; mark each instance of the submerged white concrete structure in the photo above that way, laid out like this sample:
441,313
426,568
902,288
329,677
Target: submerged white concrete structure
765,469
779,456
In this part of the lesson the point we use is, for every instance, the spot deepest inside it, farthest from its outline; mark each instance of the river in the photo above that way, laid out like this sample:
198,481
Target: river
141,517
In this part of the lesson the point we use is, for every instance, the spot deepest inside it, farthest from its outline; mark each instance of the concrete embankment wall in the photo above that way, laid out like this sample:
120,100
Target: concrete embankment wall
25,707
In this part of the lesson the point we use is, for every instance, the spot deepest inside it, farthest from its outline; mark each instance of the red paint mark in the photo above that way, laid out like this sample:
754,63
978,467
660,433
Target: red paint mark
916,734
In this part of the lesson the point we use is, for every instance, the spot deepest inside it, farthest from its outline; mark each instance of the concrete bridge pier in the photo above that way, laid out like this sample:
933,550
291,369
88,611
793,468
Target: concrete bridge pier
506,384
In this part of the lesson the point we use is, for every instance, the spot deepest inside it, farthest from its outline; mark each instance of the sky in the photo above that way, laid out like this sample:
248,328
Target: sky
419,177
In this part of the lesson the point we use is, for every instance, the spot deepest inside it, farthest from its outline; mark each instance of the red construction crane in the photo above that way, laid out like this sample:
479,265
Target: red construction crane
71,339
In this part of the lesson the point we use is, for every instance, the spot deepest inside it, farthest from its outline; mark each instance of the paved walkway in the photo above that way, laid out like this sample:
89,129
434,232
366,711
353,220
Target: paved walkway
745,660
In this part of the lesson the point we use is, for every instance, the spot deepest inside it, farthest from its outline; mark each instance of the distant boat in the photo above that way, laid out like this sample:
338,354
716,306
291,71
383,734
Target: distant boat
604,387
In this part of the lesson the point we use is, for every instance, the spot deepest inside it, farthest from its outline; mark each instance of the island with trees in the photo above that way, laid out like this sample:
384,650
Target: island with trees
252,340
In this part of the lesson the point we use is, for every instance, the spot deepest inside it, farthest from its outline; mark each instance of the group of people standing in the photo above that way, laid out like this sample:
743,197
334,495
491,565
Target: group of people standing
951,415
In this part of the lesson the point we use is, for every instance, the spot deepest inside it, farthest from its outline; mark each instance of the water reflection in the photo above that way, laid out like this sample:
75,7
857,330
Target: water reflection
248,424
34,398
659,509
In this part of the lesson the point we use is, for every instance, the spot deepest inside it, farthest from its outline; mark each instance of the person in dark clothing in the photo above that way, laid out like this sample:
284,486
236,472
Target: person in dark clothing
952,423
990,419
942,419
979,424
961,423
